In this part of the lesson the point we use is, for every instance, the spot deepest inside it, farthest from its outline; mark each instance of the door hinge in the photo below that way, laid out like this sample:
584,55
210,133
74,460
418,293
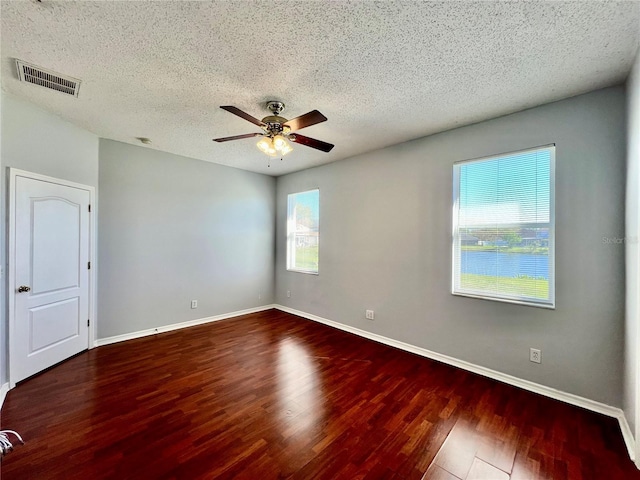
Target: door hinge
88,265
88,322
89,207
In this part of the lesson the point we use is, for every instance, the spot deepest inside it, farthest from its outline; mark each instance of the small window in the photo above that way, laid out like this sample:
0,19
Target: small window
303,218
503,227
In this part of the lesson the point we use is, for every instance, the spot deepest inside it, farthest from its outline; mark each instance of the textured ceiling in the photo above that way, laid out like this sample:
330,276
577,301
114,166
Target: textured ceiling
382,72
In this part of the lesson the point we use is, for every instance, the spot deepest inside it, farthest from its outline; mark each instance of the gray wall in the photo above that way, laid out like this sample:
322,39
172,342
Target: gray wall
39,142
632,245
173,229
385,244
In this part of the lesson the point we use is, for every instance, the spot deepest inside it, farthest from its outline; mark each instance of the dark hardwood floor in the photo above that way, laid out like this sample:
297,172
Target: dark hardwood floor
273,396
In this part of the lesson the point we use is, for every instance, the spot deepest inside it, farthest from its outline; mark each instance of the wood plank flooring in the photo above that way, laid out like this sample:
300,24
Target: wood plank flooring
273,396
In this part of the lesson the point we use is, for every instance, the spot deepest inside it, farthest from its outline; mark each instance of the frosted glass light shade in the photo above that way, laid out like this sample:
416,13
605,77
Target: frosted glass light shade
274,147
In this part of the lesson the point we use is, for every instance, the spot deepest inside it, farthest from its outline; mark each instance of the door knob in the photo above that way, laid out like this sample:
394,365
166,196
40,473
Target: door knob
23,288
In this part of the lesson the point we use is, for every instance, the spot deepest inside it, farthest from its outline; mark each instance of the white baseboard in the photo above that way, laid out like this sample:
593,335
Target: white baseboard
565,397
627,435
176,326
4,389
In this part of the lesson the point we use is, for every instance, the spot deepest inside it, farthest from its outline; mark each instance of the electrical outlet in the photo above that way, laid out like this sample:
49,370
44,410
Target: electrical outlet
535,355
194,303
288,293
259,296
369,314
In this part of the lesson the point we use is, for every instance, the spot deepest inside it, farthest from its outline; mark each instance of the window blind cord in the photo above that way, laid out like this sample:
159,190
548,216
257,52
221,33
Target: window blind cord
5,444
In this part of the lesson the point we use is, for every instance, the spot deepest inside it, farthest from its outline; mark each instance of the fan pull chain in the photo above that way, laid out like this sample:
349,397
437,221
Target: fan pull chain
5,444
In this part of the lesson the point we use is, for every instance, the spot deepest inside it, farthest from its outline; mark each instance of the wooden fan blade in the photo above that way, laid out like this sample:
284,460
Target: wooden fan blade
305,120
241,114
311,142
237,137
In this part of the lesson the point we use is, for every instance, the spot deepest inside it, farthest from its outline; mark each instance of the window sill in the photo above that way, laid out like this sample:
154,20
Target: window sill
547,306
308,272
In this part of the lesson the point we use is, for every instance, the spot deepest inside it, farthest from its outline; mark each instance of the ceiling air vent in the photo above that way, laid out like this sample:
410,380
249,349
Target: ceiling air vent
48,79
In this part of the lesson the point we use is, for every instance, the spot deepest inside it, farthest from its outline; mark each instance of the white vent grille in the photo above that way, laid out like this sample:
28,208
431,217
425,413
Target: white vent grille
48,79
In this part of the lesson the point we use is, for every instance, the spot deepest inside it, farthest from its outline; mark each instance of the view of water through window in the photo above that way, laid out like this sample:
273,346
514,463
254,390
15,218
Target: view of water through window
512,265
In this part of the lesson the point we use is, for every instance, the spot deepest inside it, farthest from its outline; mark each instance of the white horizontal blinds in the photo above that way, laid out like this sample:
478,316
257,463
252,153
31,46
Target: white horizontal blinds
303,231
503,227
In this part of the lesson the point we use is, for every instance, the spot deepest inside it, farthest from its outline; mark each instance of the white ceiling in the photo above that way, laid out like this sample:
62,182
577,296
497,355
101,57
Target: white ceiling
382,72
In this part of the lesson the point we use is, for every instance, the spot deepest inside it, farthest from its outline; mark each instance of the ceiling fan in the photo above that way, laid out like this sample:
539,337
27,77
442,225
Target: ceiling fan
277,130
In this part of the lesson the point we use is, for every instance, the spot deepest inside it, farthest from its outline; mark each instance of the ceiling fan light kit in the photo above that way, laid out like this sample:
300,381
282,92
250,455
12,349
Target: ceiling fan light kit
274,147
278,131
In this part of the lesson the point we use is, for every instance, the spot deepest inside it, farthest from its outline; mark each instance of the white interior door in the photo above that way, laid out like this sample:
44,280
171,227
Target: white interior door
51,248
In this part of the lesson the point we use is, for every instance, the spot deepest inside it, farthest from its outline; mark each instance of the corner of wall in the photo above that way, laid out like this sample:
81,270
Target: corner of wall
631,394
4,389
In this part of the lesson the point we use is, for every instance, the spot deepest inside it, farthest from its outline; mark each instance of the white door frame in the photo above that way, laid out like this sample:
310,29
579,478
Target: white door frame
13,174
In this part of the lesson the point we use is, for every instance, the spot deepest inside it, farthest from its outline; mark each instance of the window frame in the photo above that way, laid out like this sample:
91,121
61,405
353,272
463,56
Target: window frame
291,236
549,303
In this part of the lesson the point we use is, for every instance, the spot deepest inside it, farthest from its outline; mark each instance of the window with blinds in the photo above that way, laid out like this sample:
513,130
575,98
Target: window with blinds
303,232
503,227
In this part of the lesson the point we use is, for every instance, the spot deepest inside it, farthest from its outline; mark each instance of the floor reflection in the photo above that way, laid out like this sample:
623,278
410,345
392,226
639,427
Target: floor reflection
299,386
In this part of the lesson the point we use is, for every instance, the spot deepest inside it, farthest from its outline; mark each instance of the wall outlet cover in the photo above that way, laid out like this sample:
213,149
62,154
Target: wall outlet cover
535,355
